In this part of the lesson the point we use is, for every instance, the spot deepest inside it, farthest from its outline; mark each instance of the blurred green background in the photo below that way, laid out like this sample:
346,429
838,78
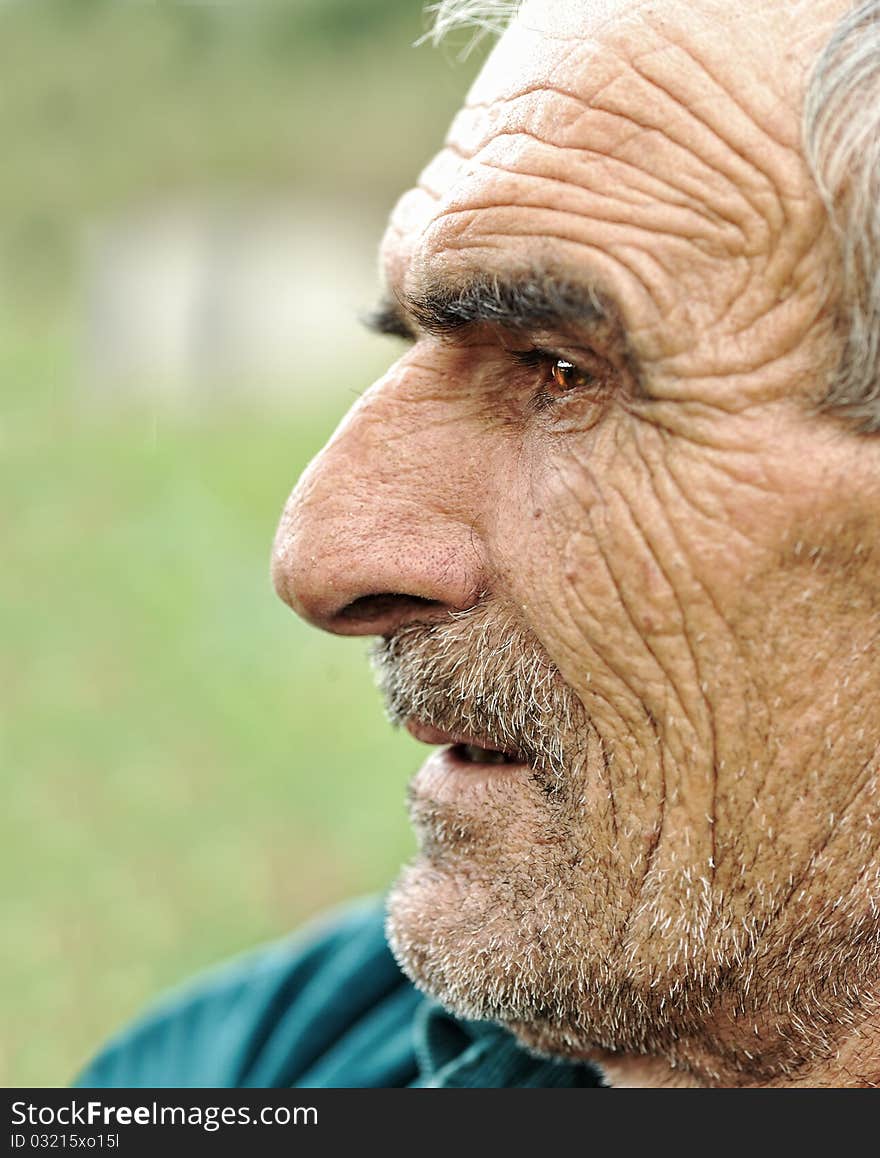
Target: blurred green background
190,200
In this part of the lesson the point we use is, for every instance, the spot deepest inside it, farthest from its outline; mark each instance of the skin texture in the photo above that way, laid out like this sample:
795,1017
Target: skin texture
660,586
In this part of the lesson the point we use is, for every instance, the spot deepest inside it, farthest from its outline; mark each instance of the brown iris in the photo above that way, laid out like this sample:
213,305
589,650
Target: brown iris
567,376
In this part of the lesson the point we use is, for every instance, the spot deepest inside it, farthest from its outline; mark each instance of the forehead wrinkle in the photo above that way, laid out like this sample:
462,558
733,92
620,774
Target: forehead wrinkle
645,186
710,129
671,69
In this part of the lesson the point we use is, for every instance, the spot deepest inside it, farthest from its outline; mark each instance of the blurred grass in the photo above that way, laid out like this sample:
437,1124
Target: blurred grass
187,769
112,103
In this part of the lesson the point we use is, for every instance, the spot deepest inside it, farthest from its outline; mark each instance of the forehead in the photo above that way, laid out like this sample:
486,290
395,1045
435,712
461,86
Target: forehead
644,141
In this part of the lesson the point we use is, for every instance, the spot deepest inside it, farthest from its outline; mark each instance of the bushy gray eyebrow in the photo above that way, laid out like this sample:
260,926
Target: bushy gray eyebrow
527,302
536,300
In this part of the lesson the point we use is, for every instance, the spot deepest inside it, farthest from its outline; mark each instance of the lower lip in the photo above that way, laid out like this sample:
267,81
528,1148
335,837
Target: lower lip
446,776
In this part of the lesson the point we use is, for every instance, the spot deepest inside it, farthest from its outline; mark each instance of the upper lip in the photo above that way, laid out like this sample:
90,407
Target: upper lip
431,735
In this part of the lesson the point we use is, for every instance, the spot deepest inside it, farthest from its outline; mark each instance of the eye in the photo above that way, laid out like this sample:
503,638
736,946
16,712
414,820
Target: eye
560,378
565,377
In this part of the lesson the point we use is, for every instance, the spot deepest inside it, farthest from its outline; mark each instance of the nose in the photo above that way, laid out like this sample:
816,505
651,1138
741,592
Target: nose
381,528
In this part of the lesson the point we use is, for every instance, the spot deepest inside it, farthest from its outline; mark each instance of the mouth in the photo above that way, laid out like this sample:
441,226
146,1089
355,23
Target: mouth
471,754
465,773
463,749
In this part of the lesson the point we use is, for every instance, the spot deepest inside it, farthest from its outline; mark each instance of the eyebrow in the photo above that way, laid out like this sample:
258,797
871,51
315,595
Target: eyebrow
517,302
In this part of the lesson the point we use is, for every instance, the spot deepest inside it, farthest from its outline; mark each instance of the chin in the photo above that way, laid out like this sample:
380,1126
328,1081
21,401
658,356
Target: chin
495,948
539,946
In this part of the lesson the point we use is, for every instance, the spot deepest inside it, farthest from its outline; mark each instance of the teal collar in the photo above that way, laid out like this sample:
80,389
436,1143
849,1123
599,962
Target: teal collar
455,1054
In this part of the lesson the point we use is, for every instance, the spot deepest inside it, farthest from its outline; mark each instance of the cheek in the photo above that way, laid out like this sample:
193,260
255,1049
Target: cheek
589,557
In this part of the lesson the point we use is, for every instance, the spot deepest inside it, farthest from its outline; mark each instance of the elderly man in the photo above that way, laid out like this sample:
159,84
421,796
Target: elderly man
613,517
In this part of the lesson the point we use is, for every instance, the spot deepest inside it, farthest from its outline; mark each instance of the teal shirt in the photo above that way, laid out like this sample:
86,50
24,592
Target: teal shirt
328,1008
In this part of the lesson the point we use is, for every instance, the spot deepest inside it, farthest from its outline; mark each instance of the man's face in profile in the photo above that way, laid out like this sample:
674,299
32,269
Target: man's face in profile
621,571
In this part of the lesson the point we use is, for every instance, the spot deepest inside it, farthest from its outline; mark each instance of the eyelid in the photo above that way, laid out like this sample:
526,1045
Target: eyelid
538,356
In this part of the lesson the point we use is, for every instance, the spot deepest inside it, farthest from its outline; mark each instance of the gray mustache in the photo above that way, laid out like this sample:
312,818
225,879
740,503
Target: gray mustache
480,673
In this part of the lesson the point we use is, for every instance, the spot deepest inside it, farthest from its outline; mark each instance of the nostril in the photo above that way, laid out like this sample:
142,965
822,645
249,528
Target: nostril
370,609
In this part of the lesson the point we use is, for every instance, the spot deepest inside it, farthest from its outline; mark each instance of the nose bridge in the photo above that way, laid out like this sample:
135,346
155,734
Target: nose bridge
383,511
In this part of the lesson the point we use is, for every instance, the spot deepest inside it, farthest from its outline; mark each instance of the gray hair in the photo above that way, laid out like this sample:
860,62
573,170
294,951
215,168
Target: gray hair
841,128
842,133
486,16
